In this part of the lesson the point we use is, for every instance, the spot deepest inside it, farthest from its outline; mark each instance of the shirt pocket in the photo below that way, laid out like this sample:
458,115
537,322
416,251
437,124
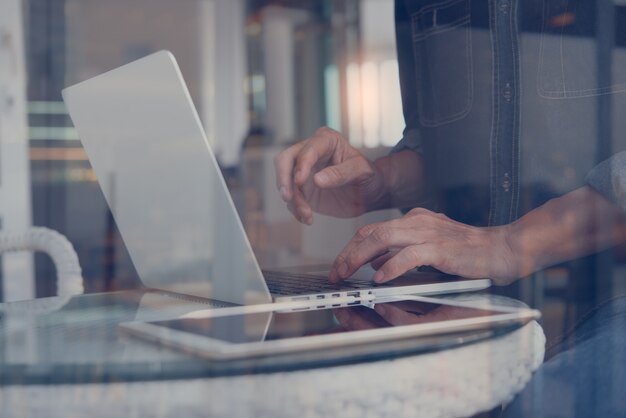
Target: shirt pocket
443,61
568,50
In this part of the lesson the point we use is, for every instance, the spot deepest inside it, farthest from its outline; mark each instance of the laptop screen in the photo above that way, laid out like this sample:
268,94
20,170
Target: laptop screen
146,144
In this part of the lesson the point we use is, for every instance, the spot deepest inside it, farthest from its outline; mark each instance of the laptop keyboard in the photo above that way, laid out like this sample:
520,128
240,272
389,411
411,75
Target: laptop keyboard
284,283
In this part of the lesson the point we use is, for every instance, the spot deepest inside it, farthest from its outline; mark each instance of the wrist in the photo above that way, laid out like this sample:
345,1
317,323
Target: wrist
402,180
525,253
380,193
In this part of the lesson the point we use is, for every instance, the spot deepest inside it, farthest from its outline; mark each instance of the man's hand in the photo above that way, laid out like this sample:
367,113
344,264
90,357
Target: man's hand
325,174
574,225
401,313
425,238
410,313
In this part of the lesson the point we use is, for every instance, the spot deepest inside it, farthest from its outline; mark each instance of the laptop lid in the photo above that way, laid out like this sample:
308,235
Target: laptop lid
153,162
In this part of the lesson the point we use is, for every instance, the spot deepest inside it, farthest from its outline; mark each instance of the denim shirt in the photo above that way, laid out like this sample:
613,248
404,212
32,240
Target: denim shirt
512,102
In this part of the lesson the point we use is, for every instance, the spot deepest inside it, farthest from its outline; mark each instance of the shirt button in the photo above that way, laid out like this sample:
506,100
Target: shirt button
504,6
506,182
507,92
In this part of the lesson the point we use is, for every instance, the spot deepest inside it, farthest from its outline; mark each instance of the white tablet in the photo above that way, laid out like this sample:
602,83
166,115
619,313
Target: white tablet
274,333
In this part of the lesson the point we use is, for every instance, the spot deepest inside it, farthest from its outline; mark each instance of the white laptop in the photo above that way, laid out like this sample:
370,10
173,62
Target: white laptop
161,180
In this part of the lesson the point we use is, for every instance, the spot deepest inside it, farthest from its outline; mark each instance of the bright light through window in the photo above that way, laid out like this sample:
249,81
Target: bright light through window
354,104
374,103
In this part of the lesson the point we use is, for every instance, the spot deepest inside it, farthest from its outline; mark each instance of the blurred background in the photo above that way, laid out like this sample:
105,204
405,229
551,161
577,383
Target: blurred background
262,73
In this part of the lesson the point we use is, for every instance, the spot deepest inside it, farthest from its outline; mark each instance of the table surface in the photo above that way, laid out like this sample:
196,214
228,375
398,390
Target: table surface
50,350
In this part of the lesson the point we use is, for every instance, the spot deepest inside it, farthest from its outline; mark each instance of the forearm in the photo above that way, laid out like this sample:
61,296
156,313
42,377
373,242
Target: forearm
577,224
403,176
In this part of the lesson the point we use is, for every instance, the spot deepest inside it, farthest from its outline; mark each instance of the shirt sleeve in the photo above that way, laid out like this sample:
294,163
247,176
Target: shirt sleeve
411,140
609,179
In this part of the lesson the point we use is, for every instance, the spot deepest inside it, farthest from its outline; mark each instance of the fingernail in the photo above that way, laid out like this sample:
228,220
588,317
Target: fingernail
309,220
380,309
379,276
343,269
322,177
283,193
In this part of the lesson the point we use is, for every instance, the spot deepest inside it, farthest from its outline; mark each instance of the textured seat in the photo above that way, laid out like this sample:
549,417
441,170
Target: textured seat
65,259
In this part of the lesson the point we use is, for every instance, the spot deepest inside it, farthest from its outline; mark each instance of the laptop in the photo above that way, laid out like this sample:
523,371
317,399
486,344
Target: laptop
160,178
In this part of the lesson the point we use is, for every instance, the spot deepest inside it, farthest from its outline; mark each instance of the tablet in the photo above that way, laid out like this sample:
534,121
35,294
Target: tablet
241,335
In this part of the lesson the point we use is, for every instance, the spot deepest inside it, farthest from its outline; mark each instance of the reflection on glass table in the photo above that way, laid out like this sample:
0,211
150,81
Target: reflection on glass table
427,323
82,342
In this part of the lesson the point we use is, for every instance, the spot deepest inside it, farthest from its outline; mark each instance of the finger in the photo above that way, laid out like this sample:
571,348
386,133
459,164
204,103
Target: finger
292,208
382,259
415,307
339,267
352,170
351,320
299,212
342,315
368,232
284,163
407,259
317,149
303,210
396,316
379,241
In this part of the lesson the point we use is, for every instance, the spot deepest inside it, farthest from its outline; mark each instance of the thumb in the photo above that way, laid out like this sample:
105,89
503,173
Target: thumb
349,171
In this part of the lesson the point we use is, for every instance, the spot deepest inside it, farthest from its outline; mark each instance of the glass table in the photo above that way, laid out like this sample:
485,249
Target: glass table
78,341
